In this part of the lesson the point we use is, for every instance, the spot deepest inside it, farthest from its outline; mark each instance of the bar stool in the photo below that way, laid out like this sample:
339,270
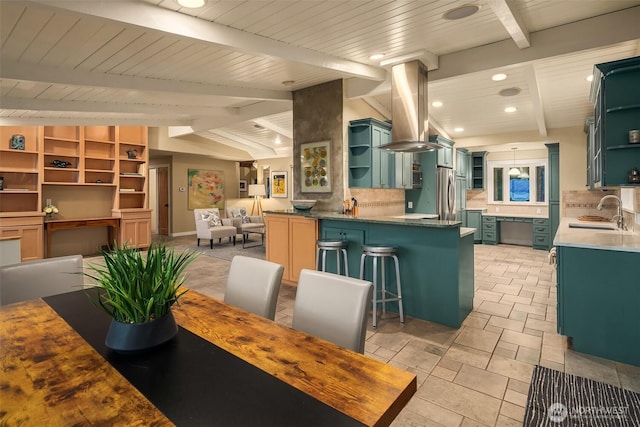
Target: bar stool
381,294
325,245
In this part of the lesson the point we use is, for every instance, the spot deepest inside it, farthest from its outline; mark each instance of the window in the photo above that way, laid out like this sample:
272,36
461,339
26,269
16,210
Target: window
529,187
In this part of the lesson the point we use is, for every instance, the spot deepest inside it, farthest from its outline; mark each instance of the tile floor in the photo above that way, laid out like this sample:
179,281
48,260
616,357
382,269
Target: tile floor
479,374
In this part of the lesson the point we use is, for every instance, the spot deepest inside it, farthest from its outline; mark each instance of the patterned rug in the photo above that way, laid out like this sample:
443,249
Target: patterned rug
227,251
560,399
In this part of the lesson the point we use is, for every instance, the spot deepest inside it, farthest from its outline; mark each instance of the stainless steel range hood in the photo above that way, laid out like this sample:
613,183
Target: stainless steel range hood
410,127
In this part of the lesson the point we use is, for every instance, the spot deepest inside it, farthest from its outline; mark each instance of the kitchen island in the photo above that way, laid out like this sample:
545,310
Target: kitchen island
598,284
436,259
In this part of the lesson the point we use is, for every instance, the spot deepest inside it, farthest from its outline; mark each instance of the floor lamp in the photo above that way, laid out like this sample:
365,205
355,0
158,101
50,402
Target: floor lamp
257,191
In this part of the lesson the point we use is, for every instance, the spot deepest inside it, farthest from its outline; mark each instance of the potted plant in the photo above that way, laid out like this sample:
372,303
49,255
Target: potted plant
137,290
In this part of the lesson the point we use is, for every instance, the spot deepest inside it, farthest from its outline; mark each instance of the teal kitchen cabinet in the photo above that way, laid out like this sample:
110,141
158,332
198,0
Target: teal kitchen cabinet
490,230
589,129
403,170
478,159
444,155
541,235
598,296
616,95
461,162
354,234
370,167
474,220
554,191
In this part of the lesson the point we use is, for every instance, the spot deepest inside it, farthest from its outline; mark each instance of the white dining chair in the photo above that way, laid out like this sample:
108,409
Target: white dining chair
253,285
41,278
333,307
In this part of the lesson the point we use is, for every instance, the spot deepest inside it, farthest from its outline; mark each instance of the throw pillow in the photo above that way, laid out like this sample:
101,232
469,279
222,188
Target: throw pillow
243,214
212,217
240,213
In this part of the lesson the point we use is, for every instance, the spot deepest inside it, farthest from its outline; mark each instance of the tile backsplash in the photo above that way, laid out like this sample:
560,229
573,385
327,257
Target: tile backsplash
585,202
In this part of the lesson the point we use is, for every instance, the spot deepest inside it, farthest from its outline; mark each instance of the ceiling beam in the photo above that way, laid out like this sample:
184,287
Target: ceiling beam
145,15
233,140
506,11
536,99
180,112
70,77
373,103
265,123
596,32
84,121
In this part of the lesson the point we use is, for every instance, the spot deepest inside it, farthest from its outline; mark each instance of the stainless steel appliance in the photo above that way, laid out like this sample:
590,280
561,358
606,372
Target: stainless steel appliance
410,131
445,194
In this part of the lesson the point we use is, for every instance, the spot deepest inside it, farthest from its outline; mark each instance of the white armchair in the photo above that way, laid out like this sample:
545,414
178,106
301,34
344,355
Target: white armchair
207,226
244,223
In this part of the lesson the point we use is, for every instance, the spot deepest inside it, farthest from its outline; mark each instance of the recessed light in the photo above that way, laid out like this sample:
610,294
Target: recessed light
376,56
288,82
278,142
510,110
510,91
437,104
498,77
192,4
461,12
458,129
590,78
257,126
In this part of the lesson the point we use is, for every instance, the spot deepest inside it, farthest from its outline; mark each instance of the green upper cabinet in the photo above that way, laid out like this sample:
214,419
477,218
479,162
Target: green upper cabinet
444,155
370,167
404,170
478,159
616,94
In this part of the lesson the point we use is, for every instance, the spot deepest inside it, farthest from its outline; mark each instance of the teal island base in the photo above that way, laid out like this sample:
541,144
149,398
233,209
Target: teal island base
599,302
436,263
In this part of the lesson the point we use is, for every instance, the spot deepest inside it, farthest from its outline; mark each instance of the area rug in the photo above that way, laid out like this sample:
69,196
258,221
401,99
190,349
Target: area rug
560,399
227,251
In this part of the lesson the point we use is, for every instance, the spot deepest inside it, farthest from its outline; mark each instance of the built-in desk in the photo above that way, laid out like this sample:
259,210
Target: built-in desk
67,224
539,225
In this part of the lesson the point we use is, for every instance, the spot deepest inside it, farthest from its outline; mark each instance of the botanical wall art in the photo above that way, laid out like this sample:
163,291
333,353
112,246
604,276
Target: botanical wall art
316,167
279,184
206,189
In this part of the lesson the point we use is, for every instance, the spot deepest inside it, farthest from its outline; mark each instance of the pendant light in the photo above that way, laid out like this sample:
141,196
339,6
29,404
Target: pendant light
514,171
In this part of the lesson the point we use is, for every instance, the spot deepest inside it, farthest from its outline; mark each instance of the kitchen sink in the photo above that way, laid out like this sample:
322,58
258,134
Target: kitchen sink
592,226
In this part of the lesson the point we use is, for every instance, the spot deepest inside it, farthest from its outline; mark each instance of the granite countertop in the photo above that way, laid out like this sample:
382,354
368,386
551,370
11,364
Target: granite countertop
615,240
515,215
431,223
465,231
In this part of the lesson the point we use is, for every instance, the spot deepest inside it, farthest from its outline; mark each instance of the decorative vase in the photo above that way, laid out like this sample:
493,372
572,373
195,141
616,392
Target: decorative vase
137,337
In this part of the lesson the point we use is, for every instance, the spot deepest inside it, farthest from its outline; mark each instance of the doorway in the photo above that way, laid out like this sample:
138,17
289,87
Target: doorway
159,199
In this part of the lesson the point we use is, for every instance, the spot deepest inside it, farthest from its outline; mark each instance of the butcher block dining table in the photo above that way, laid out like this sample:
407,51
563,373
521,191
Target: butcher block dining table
225,367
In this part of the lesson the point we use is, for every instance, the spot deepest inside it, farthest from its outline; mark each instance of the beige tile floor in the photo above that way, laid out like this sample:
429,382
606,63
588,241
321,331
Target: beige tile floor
478,374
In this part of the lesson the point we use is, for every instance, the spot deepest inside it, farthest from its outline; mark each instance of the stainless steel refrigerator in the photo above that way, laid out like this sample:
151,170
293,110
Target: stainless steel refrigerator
446,194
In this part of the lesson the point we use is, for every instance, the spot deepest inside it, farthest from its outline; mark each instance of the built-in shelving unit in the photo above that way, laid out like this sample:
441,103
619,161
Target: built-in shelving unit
477,169
58,157
615,92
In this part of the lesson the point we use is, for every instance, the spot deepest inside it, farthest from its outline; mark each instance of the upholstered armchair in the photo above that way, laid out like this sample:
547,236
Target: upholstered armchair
210,226
243,222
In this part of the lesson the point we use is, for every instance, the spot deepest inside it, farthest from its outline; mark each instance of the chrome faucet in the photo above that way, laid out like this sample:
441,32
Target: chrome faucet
620,220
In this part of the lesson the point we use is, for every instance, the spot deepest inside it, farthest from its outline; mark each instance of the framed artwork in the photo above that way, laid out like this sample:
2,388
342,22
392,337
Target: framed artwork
316,167
279,187
243,185
206,189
